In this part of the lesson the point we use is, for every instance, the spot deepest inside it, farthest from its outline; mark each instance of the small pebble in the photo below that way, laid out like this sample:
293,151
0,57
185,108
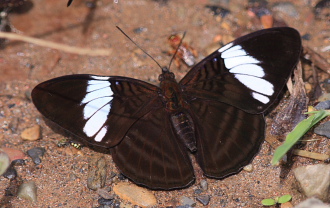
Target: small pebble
107,202
205,199
323,129
286,8
18,162
204,185
10,173
312,203
324,105
14,154
4,162
267,21
116,204
104,193
97,173
28,191
218,11
314,180
198,191
140,30
13,125
184,206
32,133
306,36
287,205
36,153
187,201
135,194
248,168
11,105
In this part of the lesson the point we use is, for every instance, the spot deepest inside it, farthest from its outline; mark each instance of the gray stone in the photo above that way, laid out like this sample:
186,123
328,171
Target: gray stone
323,129
104,193
187,201
97,173
312,203
204,199
314,180
198,191
324,105
36,154
204,185
11,173
28,191
287,8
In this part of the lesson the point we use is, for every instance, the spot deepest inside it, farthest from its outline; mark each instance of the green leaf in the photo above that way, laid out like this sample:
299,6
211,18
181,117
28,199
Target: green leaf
297,133
284,198
268,202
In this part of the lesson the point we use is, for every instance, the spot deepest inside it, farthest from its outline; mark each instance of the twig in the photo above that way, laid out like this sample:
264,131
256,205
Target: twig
312,155
58,46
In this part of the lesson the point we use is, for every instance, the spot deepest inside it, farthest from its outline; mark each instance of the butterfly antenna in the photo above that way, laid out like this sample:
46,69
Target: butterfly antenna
139,47
177,49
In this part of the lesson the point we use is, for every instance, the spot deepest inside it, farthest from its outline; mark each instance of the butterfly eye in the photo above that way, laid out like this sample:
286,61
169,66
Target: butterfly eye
161,77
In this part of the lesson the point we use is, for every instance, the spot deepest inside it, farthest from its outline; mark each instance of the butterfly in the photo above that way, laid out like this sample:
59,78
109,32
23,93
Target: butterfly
216,112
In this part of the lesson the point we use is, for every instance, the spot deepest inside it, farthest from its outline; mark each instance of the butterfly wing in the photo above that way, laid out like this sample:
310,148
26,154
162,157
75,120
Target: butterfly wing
229,91
152,155
96,108
248,73
121,112
227,137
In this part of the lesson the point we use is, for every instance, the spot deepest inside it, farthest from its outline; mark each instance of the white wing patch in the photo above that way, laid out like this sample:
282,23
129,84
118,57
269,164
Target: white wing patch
96,94
229,45
97,106
93,106
256,84
234,51
260,97
96,121
99,78
239,60
248,71
99,136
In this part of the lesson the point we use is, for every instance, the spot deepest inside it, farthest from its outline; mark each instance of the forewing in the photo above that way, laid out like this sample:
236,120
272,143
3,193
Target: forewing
227,138
152,156
98,109
248,73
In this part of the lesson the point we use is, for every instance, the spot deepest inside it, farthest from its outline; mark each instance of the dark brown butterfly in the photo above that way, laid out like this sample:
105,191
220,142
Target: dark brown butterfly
216,112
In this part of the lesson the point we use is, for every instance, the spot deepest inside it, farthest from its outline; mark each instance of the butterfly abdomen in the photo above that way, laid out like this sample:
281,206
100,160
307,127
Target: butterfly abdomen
184,129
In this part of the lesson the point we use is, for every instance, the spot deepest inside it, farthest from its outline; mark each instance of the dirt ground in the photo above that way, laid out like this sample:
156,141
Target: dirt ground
62,176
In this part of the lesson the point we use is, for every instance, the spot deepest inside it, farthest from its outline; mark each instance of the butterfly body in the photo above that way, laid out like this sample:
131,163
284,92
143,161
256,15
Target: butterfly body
175,105
215,112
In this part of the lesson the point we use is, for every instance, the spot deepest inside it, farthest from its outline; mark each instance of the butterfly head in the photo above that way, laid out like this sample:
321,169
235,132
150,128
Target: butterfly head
166,75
